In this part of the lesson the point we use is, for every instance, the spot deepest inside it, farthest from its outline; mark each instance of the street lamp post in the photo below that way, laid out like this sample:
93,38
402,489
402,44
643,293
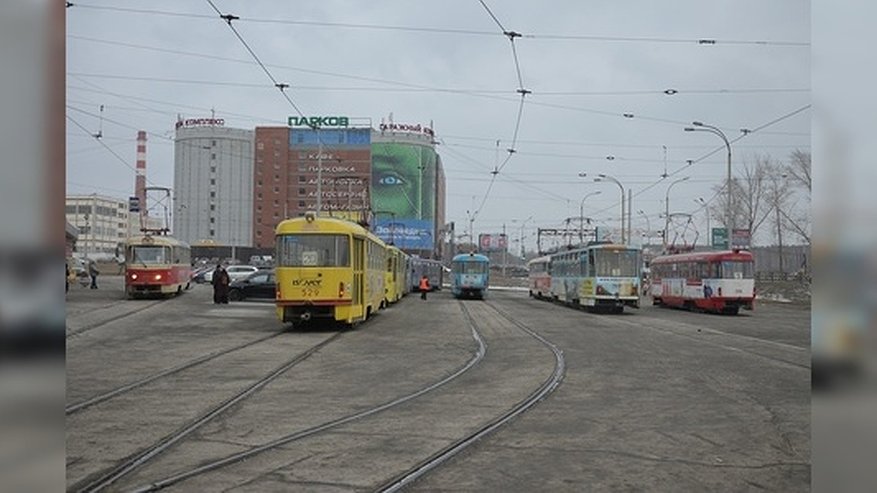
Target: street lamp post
709,234
582,215
601,177
729,217
667,210
648,223
521,233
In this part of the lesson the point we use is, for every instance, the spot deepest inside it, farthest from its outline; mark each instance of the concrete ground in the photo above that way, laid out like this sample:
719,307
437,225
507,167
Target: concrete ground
655,399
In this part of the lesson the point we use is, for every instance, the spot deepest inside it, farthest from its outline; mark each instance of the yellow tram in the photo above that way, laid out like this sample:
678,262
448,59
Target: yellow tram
395,282
329,269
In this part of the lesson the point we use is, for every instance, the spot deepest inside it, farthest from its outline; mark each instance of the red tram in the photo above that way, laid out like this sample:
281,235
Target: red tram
156,265
720,282
540,277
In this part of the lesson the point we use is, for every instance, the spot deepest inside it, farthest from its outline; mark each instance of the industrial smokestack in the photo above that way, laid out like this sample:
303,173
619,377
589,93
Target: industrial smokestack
140,180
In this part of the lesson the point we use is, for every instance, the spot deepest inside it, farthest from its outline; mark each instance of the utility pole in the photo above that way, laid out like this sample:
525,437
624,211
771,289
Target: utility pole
505,251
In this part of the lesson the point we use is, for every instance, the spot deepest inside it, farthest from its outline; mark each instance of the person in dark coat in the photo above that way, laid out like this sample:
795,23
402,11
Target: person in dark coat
220,285
93,272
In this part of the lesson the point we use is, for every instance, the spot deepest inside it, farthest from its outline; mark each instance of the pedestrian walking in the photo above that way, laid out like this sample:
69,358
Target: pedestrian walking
220,285
93,272
424,287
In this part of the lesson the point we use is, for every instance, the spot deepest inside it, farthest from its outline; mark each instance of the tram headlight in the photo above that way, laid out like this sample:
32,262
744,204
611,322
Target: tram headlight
158,277
133,277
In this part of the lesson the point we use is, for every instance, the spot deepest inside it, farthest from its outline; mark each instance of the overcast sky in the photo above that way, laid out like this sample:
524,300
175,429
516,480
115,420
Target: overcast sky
586,63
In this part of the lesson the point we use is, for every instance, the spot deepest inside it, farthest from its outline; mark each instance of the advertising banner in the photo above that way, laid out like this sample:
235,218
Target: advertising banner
404,194
407,234
492,242
330,138
741,238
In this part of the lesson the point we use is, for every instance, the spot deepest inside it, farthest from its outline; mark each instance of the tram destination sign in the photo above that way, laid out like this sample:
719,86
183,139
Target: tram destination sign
319,121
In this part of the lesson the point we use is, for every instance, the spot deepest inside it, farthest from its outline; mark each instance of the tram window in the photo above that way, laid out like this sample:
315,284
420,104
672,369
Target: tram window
736,270
149,254
313,250
617,263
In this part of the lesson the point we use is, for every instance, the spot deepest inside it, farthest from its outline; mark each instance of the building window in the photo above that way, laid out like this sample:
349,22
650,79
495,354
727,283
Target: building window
213,169
302,191
212,207
260,195
260,145
259,182
276,189
212,195
259,232
213,143
301,203
302,179
259,220
276,215
212,232
212,220
213,181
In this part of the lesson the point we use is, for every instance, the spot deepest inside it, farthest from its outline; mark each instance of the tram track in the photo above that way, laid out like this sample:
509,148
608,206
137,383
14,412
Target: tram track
137,460
82,330
123,389
652,323
549,385
476,358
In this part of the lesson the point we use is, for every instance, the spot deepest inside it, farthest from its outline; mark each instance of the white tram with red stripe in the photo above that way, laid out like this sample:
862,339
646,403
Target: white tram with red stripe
156,265
720,282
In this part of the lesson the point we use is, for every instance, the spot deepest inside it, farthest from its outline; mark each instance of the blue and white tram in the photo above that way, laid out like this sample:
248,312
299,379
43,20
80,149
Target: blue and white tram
470,275
600,277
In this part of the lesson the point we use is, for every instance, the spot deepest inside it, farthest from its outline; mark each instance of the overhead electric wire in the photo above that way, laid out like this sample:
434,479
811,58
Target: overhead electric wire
482,94
228,18
455,31
717,149
105,146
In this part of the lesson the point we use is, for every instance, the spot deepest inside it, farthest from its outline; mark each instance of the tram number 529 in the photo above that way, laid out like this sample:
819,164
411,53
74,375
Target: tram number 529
310,292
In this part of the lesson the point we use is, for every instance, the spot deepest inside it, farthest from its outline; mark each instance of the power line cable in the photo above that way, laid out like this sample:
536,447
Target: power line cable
441,30
228,18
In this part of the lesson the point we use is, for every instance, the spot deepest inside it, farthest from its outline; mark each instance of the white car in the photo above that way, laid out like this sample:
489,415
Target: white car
235,272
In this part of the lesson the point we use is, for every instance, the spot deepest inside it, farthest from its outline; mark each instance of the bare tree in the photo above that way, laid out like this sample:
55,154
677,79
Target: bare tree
750,204
797,215
798,170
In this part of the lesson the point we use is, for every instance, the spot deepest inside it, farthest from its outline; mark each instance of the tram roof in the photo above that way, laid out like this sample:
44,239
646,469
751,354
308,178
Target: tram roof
162,240
314,224
713,256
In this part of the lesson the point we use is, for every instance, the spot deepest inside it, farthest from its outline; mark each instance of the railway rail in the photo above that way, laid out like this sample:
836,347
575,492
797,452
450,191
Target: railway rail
107,479
549,385
480,352
123,389
82,330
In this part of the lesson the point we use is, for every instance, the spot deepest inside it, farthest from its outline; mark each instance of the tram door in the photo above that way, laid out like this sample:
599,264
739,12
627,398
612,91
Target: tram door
358,256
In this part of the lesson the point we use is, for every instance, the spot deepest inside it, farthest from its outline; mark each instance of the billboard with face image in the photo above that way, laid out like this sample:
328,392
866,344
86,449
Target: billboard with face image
404,193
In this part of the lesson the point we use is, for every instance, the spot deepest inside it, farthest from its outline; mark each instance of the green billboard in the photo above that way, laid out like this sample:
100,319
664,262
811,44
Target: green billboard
404,194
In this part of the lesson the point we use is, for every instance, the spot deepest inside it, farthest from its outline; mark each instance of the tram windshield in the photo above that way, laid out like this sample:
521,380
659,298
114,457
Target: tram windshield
737,270
470,267
149,255
617,263
313,250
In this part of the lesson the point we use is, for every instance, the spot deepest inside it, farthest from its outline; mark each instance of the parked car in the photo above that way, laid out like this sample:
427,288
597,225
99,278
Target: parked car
260,284
235,272
199,274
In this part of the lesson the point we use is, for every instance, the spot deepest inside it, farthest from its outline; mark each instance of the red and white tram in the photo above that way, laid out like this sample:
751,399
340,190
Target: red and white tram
721,281
540,277
156,265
